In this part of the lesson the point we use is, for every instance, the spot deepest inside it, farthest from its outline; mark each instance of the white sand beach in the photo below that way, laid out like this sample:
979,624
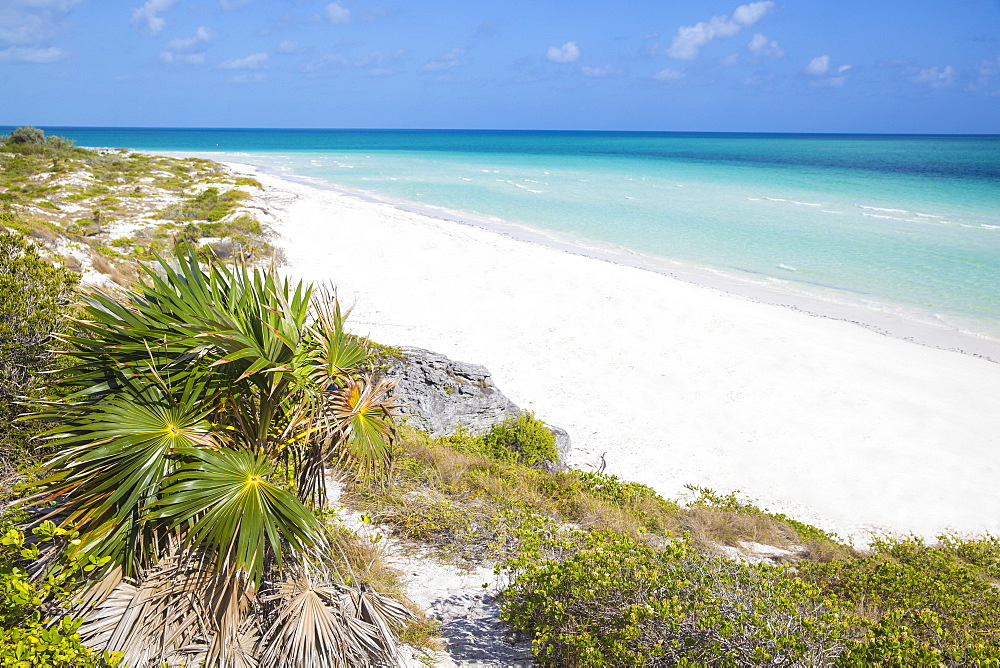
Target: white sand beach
678,384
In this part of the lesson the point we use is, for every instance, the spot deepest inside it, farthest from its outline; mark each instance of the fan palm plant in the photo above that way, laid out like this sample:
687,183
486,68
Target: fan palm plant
202,411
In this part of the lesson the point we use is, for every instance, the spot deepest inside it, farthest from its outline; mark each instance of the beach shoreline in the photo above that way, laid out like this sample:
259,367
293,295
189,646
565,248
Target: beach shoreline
881,318
671,383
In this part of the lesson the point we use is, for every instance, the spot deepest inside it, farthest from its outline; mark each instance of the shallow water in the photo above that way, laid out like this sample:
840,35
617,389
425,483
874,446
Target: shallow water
883,228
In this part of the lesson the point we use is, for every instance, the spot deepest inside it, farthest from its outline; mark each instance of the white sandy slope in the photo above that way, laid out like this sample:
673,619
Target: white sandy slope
679,384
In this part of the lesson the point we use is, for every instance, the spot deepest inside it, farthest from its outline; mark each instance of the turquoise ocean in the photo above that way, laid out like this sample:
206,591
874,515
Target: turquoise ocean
900,233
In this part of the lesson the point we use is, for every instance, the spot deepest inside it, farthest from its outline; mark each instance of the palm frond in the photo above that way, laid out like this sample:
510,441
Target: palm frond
335,352
363,411
225,502
114,458
155,618
316,623
182,611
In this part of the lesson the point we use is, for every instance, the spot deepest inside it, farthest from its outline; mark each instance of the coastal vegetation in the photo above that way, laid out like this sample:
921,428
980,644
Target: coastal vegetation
602,571
199,412
104,210
35,296
176,437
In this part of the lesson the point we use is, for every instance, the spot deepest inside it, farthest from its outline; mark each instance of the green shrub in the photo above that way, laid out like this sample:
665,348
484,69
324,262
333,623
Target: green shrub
209,205
240,226
26,135
34,297
27,140
28,639
522,439
248,181
925,604
602,599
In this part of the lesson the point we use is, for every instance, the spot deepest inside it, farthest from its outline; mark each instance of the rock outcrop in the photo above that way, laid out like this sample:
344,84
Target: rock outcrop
438,395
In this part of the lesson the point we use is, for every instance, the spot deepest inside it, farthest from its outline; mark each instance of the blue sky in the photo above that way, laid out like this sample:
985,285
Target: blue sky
769,66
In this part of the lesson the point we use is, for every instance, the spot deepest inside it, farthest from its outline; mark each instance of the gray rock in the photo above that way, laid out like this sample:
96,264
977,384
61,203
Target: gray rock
563,443
438,395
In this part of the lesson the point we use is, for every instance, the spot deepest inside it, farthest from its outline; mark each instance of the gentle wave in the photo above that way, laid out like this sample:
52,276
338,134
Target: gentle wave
879,208
791,201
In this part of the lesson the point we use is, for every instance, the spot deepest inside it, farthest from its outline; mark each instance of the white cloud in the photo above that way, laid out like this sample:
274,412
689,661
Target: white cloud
830,82
288,46
689,39
758,81
603,71
18,28
935,77
28,28
337,14
567,53
985,71
761,46
171,58
252,62
21,54
749,14
731,59
454,58
372,14
989,68
233,4
819,69
149,14
201,36
818,66
668,74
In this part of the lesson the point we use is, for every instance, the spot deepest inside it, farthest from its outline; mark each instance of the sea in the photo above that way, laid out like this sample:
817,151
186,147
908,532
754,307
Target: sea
899,233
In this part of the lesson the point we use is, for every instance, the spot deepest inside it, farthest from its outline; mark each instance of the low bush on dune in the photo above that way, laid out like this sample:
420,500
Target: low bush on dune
46,183
602,599
34,300
606,572
919,604
28,140
522,439
455,494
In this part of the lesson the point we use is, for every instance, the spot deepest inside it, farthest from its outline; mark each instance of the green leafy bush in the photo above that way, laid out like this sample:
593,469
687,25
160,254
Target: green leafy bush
33,141
34,297
25,135
209,205
925,604
522,439
28,638
602,599
605,599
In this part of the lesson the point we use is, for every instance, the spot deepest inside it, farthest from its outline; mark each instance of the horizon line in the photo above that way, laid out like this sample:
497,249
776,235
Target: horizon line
509,130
